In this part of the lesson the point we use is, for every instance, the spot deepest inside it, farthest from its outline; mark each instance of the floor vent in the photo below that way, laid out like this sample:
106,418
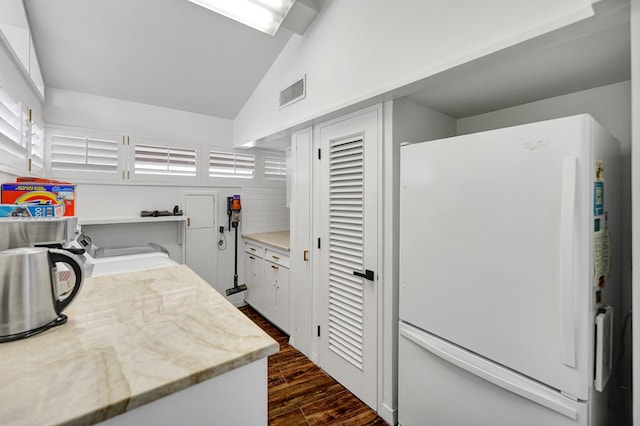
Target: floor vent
294,93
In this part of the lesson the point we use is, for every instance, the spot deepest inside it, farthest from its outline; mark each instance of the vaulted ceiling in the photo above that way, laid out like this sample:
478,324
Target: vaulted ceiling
169,53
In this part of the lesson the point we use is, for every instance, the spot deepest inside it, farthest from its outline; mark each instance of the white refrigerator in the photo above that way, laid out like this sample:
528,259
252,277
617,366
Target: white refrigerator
508,276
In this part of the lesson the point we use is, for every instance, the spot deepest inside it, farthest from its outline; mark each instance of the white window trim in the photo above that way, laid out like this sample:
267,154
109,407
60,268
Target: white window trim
37,144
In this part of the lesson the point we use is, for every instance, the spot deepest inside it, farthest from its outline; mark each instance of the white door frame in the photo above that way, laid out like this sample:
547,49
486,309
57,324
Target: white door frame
380,272
301,284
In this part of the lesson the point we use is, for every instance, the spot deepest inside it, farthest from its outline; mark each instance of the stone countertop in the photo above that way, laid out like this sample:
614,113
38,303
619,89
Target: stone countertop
277,239
130,339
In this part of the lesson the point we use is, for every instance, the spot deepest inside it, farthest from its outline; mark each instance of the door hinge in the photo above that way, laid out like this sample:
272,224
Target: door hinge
318,242
318,331
319,154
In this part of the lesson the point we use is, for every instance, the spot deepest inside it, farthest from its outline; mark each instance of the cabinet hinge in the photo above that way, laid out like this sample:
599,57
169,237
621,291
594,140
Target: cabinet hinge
318,331
30,165
318,242
30,115
319,154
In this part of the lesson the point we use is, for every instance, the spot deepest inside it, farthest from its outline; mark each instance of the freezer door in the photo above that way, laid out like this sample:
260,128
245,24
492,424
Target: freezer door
494,246
441,384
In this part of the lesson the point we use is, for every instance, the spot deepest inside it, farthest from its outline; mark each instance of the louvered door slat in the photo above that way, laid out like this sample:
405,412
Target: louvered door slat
346,187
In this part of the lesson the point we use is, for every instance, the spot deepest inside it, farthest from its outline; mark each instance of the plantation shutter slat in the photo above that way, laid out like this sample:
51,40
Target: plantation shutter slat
70,153
165,160
346,250
233,165
275,167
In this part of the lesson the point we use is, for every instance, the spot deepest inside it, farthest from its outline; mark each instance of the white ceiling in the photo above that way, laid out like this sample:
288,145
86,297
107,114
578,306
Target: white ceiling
175,54
169,53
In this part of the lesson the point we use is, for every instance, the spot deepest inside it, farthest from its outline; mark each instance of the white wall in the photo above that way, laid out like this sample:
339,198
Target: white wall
413,122
264,210
359,49
64,107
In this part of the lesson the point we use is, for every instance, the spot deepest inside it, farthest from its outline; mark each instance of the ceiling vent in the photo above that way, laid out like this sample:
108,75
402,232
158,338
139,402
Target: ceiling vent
294,93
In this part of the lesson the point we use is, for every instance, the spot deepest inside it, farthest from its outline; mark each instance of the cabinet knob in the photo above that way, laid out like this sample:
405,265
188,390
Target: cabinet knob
305,255
252,249
252,258
276,257
274,267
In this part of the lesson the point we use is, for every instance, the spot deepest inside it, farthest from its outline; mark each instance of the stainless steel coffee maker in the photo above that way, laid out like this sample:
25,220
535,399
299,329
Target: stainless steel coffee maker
31,300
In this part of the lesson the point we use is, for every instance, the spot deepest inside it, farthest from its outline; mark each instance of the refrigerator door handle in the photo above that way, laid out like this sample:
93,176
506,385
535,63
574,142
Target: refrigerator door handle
567,246
491,372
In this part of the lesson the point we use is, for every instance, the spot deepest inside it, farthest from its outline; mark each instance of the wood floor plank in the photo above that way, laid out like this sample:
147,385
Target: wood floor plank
300,393
290,418
335,408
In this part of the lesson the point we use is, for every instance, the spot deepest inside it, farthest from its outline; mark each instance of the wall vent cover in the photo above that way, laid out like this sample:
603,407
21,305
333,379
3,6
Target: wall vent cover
294,93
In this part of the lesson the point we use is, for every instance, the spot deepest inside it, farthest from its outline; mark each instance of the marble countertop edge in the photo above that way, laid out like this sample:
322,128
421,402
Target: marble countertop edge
277,239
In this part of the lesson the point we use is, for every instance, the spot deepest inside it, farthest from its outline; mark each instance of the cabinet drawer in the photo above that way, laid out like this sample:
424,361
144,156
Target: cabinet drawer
254,249
277,257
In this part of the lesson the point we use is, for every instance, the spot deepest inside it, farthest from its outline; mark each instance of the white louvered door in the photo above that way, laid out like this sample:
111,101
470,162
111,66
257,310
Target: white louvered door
349,217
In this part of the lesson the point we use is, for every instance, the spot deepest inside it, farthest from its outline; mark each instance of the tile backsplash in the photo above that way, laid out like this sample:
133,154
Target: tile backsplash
264,210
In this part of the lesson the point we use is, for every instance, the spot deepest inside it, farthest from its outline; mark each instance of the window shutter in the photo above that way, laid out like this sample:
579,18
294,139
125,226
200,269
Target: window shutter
13,125
80,154
275,167
231,165
164,160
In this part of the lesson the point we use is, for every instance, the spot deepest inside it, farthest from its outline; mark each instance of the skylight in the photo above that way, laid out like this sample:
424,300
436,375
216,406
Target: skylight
263,15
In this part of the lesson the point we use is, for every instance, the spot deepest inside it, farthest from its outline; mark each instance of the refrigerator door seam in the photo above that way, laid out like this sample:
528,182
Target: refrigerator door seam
491,372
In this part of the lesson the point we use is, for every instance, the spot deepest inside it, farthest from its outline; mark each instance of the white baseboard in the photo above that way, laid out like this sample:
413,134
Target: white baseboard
390,415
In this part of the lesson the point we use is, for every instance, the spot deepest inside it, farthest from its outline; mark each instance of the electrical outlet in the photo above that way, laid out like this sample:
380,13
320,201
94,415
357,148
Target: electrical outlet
222,229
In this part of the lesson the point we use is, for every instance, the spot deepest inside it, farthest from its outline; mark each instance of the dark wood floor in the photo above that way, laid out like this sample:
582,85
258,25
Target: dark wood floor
300,393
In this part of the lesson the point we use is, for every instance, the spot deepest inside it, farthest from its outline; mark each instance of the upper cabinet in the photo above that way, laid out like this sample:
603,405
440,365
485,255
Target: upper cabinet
16,34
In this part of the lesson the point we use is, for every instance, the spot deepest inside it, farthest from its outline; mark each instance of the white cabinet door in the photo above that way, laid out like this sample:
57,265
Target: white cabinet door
254,279
200,248
348,306
277,283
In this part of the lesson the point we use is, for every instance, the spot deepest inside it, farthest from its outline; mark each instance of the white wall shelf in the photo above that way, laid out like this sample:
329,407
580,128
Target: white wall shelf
136,219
